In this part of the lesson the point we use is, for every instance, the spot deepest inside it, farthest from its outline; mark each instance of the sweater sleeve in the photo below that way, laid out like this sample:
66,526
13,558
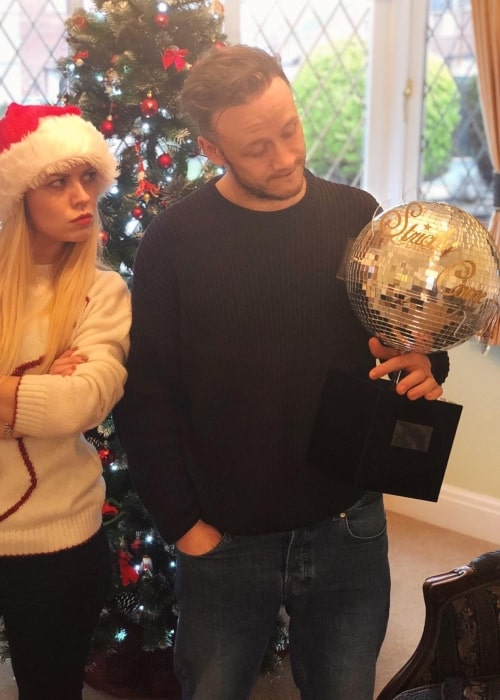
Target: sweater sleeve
440,363
151,418
50,406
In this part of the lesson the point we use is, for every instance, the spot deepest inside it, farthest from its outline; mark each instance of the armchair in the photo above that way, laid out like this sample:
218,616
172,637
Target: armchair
458,656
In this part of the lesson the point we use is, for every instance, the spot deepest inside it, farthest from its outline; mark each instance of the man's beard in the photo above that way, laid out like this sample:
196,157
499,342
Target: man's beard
264,193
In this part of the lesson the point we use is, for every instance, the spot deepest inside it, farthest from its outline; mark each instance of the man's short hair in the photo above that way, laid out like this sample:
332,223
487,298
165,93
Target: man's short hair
226,77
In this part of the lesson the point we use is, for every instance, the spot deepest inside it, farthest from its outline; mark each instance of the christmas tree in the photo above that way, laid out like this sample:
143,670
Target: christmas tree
127,64
128,60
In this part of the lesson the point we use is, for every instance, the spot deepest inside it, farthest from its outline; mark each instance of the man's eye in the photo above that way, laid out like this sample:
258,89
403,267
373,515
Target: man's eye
290,132
90,176
256,152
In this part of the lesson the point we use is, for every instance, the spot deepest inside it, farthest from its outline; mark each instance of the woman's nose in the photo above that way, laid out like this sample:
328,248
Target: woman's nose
79,193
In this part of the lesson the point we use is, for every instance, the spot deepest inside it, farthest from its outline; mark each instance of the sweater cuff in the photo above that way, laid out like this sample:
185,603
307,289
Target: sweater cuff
440,363
30,405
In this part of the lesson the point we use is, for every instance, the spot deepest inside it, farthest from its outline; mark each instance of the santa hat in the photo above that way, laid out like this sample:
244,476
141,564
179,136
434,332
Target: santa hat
38,140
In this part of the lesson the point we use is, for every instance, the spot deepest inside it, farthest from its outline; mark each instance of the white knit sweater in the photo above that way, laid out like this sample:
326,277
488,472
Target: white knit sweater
51,485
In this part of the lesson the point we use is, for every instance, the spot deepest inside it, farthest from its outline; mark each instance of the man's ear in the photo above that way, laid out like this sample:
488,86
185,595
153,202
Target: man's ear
210,150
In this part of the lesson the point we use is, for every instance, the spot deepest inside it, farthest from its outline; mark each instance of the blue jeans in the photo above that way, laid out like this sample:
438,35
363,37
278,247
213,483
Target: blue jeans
333,580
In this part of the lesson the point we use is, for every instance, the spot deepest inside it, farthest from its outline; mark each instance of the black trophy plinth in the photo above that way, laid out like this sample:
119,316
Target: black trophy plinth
381,441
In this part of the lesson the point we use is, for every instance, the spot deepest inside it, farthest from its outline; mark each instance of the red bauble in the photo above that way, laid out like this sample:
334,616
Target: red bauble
106,456
104,236
165,160
219,45
162,19
107,127
79,22
149,107
137,212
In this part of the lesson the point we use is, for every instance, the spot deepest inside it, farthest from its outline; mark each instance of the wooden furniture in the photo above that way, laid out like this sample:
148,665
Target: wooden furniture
458,656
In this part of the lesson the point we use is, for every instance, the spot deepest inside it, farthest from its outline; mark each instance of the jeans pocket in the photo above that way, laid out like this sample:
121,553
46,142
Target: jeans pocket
366,520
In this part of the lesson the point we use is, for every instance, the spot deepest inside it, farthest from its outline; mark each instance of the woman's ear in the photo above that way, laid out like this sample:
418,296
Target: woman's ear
210,150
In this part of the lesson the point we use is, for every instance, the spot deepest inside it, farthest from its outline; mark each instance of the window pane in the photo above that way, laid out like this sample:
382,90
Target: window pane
323,47
455,166
32,39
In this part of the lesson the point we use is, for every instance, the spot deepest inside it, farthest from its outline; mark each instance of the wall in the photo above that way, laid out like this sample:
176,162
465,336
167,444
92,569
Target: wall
474,382
469,501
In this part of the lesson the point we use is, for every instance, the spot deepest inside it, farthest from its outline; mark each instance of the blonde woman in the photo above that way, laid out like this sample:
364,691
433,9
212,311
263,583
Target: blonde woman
64,323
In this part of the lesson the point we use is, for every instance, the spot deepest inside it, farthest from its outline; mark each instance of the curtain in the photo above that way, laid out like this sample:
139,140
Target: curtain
486,26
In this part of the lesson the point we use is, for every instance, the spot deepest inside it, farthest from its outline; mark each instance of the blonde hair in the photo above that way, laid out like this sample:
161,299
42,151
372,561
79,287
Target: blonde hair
73,276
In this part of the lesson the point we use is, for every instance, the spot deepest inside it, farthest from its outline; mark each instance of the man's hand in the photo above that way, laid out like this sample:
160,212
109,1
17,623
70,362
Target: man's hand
66,364
418,380
200,539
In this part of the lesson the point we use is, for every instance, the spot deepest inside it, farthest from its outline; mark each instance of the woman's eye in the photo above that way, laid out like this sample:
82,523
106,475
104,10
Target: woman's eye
91,175
57,182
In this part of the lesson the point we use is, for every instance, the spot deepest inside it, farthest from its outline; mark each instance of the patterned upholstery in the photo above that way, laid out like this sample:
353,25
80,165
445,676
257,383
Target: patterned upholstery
458,656
455,689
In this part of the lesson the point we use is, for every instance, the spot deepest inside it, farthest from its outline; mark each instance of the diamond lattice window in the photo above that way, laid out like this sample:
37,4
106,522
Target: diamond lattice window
323,47
32,39
455,162
323,50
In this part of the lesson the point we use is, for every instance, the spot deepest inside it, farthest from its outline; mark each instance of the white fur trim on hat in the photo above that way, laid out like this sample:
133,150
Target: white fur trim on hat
58,144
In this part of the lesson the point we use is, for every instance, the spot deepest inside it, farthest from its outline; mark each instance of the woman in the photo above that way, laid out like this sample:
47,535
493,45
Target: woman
64,323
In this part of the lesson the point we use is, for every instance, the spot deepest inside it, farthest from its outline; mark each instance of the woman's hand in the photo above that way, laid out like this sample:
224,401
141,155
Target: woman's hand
418,379
66,364
8,391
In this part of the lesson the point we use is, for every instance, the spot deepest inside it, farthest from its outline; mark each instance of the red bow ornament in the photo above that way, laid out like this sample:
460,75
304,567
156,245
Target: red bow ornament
174,57
127,572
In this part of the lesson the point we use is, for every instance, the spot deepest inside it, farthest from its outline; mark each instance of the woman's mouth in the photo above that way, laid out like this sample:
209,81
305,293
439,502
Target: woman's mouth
82,219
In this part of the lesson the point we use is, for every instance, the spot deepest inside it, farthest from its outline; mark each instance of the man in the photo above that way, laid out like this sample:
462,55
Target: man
237,319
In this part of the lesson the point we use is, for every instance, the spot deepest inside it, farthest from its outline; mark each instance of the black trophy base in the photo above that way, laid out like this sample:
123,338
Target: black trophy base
380,441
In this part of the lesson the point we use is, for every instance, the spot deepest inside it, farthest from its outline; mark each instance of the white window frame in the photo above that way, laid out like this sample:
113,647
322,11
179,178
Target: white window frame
395,98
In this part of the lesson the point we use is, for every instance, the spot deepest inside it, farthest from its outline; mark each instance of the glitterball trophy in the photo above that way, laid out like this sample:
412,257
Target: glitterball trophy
422,277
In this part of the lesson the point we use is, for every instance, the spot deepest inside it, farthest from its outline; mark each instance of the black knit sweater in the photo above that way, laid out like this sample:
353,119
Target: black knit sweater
237,318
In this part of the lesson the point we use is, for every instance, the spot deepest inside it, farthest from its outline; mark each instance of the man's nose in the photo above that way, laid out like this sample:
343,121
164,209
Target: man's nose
283,157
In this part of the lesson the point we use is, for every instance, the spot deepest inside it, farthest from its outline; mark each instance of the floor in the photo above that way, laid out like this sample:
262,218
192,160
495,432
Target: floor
417,550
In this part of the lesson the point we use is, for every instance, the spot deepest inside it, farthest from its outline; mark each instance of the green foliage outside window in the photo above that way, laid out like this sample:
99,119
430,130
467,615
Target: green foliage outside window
330,90
330,94
441,118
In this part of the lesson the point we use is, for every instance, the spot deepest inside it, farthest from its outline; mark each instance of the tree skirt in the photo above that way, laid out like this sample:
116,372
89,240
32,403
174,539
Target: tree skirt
130,672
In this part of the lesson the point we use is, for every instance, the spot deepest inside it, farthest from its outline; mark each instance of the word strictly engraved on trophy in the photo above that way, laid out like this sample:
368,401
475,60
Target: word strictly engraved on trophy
422,277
